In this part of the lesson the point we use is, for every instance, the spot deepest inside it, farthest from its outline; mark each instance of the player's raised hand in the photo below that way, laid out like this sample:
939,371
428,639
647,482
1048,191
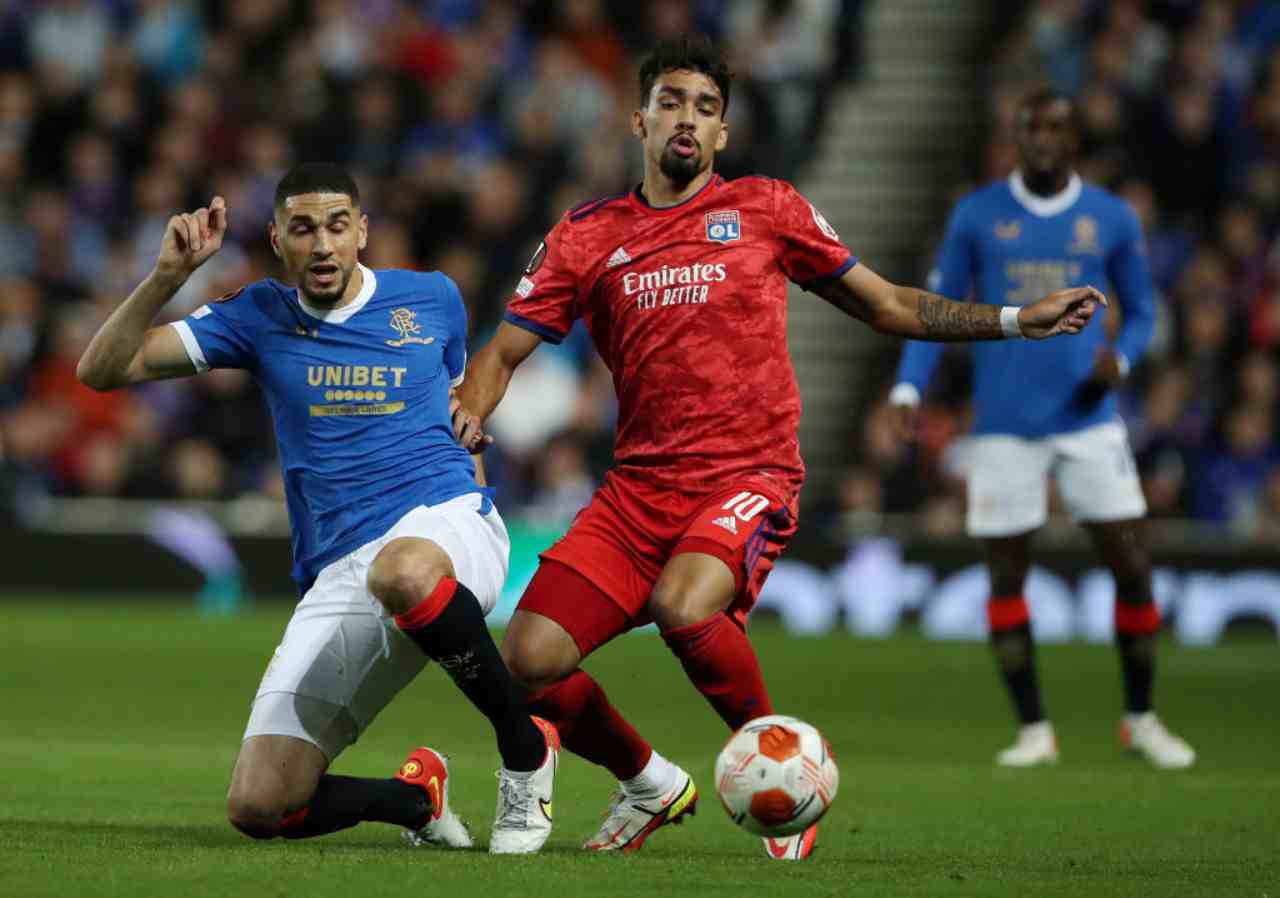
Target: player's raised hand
191,238
466,427
1063,312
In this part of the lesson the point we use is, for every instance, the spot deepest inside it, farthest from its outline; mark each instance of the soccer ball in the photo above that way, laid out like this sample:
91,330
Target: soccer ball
776,776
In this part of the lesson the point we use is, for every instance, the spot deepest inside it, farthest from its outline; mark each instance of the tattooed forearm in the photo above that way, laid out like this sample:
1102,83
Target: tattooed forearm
944,319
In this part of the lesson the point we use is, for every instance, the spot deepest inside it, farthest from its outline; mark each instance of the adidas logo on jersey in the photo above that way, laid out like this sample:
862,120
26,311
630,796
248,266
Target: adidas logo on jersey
619,257
728,522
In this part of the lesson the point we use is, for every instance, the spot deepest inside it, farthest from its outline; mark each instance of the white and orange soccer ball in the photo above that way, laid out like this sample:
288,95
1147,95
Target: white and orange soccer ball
776,776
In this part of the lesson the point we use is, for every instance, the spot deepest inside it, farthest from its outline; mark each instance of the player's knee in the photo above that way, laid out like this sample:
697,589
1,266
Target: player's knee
256,814
675,605
536,663
406,571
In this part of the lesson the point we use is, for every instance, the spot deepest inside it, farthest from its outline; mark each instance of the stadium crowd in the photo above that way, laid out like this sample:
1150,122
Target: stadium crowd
470,125
1179,106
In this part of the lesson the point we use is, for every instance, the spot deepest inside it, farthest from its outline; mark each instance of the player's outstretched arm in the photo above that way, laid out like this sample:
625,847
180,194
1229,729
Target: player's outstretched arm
488,373
126,350
920,315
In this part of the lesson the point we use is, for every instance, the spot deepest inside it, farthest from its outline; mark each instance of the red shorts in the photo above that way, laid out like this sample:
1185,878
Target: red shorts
620,543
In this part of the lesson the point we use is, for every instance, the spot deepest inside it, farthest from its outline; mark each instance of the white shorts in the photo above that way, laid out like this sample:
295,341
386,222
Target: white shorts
1093,468
343,658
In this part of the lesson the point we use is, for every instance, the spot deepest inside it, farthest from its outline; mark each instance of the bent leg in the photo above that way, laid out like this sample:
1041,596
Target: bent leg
279,788
414,580
689,605
274,778
563,617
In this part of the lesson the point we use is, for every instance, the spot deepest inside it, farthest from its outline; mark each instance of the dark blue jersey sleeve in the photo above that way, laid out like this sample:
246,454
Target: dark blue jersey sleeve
1130,273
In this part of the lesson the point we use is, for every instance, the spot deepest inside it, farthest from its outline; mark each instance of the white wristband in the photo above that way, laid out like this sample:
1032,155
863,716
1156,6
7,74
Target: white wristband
1009,322
904,394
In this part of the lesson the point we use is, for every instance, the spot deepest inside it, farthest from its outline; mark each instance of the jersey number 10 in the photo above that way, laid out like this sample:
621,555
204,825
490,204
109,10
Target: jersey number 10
746,505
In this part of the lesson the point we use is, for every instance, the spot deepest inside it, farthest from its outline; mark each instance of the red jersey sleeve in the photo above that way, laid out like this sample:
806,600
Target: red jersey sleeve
546,298
811,248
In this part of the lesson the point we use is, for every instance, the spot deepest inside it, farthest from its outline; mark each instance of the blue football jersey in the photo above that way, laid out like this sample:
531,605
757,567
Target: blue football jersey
1007,246
359,397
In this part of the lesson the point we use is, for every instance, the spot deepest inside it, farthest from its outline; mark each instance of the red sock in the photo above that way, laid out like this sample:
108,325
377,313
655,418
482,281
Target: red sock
426,611
722,665
1137,620
590,727
1007,613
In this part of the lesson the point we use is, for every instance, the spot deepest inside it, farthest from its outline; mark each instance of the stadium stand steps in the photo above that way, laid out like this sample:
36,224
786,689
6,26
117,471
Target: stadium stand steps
895,143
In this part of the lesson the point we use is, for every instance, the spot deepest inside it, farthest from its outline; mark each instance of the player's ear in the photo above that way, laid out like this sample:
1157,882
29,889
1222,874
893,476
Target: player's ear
363,237
637,124
722,139
273,237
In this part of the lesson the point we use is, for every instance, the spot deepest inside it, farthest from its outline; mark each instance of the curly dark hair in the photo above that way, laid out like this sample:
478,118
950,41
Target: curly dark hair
691,52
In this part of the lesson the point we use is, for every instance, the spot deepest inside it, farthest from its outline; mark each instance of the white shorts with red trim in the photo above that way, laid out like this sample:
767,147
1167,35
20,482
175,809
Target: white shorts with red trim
342,658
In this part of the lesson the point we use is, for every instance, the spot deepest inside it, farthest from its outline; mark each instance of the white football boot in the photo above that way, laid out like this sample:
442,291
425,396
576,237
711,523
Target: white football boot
1147,736
1036,745
629,821
428,769
792,848
523,819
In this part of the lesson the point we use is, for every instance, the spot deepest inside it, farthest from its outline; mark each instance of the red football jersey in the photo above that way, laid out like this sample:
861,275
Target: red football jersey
687,305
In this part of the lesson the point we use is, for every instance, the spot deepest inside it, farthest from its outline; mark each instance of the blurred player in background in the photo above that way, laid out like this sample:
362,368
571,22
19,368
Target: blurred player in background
1050,410
682,284
398,550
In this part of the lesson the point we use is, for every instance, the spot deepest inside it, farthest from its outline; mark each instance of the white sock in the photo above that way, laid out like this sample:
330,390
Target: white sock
1039,728
657,777
1134,720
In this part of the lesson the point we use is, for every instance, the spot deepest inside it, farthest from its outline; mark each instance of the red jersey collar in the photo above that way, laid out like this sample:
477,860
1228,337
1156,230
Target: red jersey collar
638,199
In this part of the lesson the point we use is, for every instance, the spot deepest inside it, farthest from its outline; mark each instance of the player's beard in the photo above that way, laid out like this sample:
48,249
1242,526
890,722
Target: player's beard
680,169
331,295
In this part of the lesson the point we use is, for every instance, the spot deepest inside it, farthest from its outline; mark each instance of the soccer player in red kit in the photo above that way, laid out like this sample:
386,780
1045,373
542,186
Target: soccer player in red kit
682,284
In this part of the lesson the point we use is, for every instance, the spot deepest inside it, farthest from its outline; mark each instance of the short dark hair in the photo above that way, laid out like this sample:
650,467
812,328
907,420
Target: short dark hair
317,177
690,52
1045,95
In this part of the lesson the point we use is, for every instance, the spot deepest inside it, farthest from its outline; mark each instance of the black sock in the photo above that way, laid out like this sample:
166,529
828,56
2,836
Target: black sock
1015,655
459,641
341,802
1138,662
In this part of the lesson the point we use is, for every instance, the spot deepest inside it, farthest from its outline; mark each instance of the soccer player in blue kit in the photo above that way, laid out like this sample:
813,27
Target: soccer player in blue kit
398,550
1048,409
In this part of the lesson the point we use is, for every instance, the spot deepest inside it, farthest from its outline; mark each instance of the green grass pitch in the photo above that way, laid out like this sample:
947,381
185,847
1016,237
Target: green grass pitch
119,724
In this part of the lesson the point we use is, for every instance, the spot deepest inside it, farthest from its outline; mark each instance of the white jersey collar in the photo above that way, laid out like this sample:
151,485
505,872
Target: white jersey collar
1045,206
340,315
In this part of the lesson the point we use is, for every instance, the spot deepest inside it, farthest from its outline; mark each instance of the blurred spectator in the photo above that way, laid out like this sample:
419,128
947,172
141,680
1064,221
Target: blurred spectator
1234,467
168,37
1263,524
69,40
562,482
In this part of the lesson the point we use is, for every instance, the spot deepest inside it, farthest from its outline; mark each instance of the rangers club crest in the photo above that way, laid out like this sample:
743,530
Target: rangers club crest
404,322
723,227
